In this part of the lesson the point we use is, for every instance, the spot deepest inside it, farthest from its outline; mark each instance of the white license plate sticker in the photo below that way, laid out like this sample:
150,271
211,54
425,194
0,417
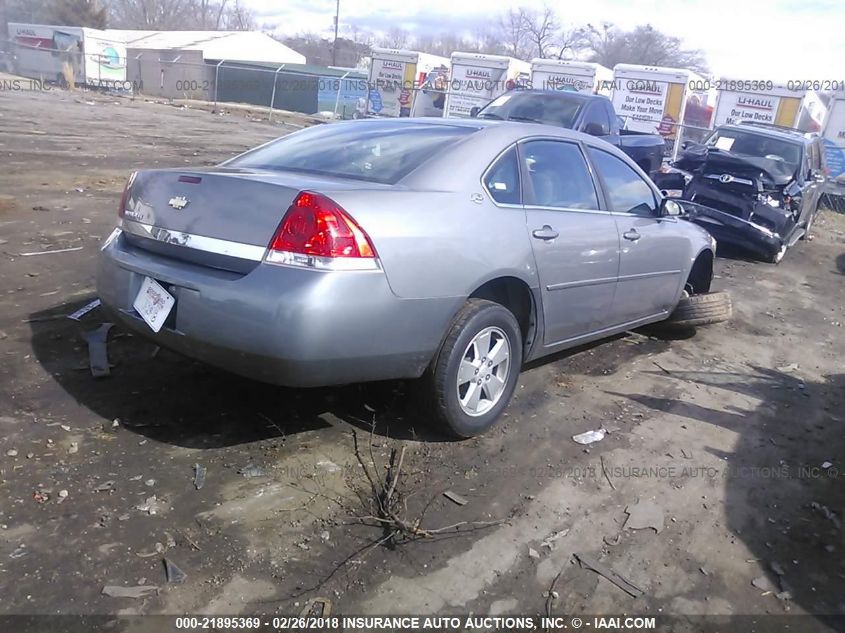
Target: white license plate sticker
153,303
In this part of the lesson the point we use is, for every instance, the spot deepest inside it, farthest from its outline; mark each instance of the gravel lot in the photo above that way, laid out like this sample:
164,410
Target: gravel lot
724,433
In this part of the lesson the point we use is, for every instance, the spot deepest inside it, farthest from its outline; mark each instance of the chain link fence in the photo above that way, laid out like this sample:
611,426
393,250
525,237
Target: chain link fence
185,74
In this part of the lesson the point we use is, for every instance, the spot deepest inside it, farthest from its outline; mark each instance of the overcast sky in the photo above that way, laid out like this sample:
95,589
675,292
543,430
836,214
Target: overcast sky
766,39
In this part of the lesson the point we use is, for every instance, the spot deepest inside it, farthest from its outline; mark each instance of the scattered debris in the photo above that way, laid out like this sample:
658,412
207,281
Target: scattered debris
661,367
97,351
704,571
686,454
533,553
614,541
791,367
12,452
106,486
173,573
587,562
645,514
58,250
317,608
150,483
825,511
455,498
141,591
75,316
590,437
763,584
826,465
199,476
250,470
150,506
550,540
784,595
604,472
775,567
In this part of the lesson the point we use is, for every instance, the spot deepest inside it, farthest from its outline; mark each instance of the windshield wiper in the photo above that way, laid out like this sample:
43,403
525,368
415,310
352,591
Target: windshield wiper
527,119
489,115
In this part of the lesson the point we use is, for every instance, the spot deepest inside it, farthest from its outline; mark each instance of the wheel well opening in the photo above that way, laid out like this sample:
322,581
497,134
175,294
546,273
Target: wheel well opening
701,274
515,295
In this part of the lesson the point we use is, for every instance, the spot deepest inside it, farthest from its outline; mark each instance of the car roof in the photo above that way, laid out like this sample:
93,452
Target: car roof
571,94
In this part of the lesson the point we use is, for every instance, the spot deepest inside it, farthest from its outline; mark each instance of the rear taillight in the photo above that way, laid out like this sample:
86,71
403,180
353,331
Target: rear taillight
317,233
121,210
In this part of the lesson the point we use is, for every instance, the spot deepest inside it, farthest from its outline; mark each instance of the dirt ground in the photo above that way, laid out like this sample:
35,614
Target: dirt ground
724,434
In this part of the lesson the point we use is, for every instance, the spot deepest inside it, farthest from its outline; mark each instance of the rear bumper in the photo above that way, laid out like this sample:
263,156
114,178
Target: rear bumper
278,324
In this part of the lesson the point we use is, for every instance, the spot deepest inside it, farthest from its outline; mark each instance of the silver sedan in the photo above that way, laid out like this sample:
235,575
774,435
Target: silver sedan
452,251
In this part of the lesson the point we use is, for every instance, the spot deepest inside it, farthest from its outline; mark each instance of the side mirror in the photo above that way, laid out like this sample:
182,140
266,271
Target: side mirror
685,145
473,111
817,175
594,129
671,208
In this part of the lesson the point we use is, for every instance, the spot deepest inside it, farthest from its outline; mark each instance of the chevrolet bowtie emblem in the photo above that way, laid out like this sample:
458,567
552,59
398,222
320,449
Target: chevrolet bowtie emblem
178,202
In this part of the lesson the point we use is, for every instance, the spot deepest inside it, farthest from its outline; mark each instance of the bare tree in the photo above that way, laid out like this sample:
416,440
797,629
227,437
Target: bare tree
153,14
514,34
239,17
396,38
642,45
541,31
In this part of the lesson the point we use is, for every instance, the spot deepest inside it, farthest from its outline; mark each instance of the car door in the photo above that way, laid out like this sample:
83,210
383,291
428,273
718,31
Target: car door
814,183
575,241
653,251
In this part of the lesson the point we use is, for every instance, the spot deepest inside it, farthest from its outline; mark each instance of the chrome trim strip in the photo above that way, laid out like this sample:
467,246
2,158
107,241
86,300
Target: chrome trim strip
659,273
580,284
739,181
213,245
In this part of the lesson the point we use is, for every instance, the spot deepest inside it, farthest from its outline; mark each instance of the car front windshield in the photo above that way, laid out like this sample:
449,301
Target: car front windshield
739,143
375,151
553,109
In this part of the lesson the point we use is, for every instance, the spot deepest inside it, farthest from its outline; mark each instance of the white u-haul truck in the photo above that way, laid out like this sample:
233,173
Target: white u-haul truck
477,79
766,102
47,52
559,74
653,99
406,83
833,137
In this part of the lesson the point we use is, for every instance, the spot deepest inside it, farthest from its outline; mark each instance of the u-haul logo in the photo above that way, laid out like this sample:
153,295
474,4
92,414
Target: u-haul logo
755,102
392,65
476,73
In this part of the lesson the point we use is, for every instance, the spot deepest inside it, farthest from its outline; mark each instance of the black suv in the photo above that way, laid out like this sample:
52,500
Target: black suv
756,186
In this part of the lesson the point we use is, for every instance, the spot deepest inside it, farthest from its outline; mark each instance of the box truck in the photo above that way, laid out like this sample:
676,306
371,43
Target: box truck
833,137
654,99
767,102
559,74
477,79
44,52
406,83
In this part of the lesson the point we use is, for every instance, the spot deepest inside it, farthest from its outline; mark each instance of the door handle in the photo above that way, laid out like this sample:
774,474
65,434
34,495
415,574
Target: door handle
631,235
546,233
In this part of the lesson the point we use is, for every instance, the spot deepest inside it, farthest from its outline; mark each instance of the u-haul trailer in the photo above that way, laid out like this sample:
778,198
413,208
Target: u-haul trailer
559,74
406,83
477,79
766,102
654,99
43,51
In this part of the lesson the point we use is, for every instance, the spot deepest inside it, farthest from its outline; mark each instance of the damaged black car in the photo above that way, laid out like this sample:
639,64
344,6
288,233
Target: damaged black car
755,186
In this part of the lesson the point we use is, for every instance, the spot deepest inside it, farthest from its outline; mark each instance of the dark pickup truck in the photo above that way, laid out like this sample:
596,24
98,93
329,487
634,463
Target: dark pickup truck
591,114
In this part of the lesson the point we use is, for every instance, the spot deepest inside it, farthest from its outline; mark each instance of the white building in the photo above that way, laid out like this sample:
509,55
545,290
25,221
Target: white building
243,46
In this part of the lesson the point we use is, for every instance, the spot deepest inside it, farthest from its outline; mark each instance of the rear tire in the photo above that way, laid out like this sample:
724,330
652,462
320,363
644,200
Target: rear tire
471,380
703,309
776,257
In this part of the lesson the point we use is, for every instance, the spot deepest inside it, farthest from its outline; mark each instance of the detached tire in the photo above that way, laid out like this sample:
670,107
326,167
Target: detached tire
703,309
471,380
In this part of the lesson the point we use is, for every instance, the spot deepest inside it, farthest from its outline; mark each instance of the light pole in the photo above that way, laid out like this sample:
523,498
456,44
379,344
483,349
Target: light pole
336,23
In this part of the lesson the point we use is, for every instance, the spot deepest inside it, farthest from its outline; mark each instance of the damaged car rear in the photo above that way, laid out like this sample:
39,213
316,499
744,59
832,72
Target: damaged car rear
756,187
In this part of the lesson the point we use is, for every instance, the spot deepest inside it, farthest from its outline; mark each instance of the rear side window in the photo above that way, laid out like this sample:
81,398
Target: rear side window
559,175
375,151
502,180
626,191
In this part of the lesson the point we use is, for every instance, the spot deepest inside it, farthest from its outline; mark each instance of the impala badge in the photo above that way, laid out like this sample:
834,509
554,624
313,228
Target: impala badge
725,179
179,202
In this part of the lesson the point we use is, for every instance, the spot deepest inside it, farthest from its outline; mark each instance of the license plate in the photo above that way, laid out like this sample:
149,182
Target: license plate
153,303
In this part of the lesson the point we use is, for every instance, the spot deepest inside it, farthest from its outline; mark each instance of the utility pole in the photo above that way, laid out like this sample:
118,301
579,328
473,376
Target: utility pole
336,24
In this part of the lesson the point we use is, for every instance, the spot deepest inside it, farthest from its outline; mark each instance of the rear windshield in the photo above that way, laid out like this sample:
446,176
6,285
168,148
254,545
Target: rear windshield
552,109
375,151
